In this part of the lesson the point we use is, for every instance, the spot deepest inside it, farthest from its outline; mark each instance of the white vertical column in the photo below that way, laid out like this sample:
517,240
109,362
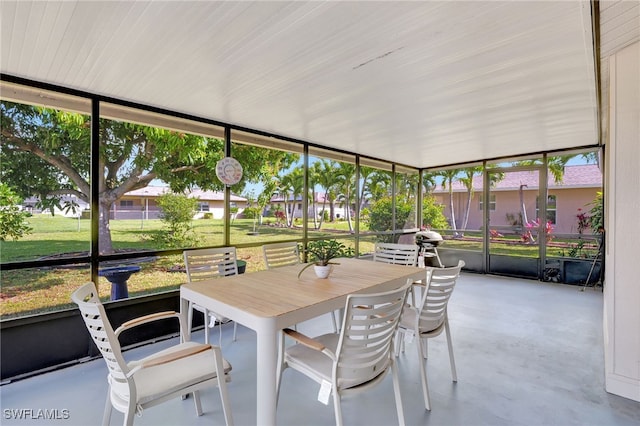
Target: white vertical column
622,192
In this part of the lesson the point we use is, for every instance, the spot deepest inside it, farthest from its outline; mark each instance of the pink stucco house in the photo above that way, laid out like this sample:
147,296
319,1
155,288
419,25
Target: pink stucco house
577,190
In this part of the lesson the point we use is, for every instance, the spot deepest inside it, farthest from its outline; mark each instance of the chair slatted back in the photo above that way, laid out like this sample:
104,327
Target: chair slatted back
204,264
398,254
366,340
281,254
100,330
434,302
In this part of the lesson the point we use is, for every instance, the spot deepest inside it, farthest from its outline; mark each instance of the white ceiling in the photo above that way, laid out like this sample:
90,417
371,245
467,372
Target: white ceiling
418,83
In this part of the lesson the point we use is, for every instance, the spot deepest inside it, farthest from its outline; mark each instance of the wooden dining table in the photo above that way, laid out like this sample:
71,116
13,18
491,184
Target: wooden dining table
270,300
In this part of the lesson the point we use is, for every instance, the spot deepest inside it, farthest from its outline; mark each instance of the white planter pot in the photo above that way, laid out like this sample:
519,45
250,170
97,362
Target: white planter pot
322,271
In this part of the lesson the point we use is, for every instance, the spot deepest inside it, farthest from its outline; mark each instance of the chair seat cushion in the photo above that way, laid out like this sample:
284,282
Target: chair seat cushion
408,321
318,365
156,381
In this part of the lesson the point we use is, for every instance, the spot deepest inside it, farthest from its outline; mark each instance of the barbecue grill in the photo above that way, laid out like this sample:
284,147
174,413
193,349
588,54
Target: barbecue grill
428,241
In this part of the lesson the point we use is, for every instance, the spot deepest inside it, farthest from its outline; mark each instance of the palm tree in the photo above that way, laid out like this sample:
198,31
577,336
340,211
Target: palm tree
449,176
406,186
556,166
284,188
379,185
292,185
313,181
467,180
346,187
365,172
326,178
270,188
429,182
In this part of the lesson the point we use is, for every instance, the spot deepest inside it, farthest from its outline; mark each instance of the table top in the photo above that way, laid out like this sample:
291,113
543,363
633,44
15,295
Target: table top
276,292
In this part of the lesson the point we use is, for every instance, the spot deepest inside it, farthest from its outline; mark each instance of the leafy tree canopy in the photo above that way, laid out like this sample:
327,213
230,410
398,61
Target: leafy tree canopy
46,152
13,221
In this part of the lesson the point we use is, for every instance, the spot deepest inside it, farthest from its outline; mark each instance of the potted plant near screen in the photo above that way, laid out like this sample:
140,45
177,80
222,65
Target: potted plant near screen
321,253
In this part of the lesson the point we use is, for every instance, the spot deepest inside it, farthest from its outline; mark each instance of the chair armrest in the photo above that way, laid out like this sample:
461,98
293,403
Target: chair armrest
182,353
304,340
146,319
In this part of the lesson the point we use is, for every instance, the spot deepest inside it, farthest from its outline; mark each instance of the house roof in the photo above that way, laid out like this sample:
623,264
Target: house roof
156,191
578,176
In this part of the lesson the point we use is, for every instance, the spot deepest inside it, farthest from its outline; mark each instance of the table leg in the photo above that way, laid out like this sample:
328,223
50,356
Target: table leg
267,359
185,332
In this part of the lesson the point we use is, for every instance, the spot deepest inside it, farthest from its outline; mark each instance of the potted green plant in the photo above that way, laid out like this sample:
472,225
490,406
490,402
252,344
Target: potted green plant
320,253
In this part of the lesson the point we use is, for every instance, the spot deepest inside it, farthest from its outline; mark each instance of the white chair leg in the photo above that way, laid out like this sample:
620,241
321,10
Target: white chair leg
452,361
196,400
190,317
235,330
337,407
206,326
396,391
129,415
398,342
222,386
423,376
106,417
280,366
335,322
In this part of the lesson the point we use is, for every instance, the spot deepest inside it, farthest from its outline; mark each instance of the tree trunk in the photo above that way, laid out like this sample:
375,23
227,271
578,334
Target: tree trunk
286,210
525,220
453,215
465,222
523,209
324,205
104,233
313,209
347,212
293,211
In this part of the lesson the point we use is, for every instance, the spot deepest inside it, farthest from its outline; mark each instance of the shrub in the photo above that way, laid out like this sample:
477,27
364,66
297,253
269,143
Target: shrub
177,214
596,219
13,221
251,212
380,216
432,213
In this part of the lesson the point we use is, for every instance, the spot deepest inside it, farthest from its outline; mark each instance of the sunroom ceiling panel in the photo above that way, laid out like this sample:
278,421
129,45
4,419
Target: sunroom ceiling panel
418,83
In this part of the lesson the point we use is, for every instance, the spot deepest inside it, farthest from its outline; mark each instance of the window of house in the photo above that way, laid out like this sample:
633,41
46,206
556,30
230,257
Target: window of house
492,202
126,203
551,208
203,207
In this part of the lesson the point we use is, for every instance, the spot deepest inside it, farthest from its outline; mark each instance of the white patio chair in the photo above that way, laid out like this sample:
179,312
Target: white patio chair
357,358
429,319
171,373
281,254
398,254
286,254
204,264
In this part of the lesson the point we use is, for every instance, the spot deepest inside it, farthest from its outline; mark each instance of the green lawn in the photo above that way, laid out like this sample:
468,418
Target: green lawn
33,291
55,235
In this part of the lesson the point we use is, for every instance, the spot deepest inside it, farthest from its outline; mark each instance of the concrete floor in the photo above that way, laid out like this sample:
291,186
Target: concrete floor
528,353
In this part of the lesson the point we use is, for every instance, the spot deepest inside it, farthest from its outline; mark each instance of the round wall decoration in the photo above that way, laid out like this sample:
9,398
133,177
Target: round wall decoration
229,171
